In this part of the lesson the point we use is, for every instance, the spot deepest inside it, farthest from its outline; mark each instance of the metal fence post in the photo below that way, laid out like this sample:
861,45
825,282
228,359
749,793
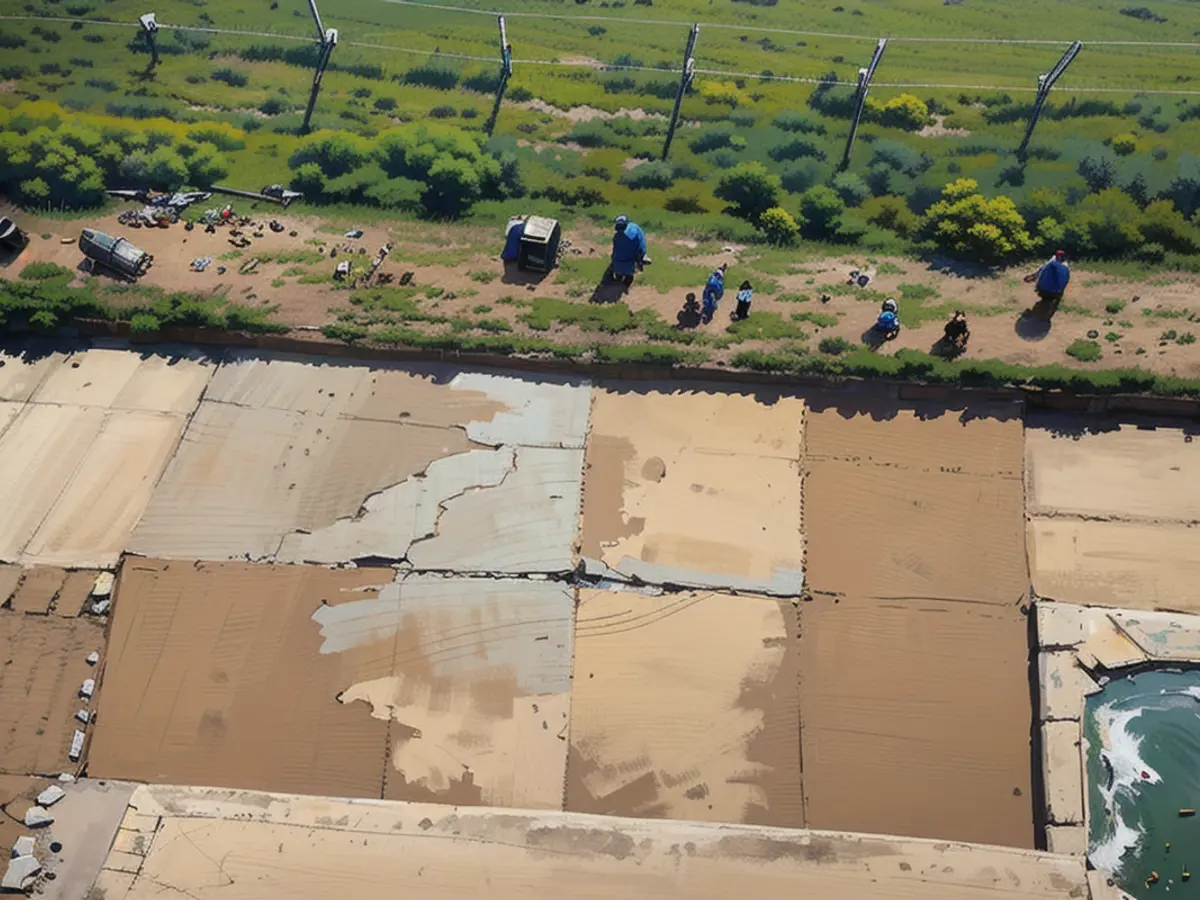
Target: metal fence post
860,99
1045,83
685,81
327,40
505,74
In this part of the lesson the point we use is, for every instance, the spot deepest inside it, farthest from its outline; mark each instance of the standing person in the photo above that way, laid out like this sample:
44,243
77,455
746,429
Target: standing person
628,249
744,295
956,331
714,290
1051,281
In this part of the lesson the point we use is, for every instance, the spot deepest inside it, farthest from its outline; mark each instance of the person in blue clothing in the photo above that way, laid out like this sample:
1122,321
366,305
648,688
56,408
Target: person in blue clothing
628,249
1051,281
714,290
888,323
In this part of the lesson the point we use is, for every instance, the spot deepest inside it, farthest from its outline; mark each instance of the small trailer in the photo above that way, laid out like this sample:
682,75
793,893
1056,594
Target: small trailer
12,238
114,253
538,251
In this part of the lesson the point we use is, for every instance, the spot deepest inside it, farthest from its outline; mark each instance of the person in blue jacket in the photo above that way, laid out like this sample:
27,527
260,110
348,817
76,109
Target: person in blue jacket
628,249
1051,280
714,290
888,323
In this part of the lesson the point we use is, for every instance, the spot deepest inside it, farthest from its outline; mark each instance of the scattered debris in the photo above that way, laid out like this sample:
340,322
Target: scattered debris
76,750
282,194
200,263
100,607
20,873
342,270
66,778
88,688
221,270
93,657
276,226
1185,813
354,233
248,266
23,846
37,817
67,240
84,716
50,796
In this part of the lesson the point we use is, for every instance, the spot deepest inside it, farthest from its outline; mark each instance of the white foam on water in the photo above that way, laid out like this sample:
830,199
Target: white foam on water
1121,749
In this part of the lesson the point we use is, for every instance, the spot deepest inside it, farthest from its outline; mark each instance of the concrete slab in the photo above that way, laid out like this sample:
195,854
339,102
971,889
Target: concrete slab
474,676
126,379
393,519
46,662
916,719
1133,565
10,580
39,587
526,523
242,846
1107,646
20,375
1129,472
1069,840
1062,773
85,824
697,489
685,706
8,412
548,412
213,676
286,383
74,593
1059,624
1062,685
1162,636
17,793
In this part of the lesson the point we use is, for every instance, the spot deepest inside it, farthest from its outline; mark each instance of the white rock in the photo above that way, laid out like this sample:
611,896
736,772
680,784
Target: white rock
83,716
104,584
66,777
100,607
20,874
36,817
93,657
51,795
23,846
77,745
89,688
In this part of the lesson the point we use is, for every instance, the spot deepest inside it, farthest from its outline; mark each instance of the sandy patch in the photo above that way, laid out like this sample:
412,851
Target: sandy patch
939,129
685,707
916,719
696,488
215,677
1127,472
46,665
587,113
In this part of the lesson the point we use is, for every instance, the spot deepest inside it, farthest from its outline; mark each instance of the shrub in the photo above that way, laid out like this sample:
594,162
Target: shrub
1112,307
793,121
822,209
725,93
144,323
649,176
796,148
779,227
231,77
851,188
443,112
1084,350
272,106
432,75
905,111
834,346
1100,171
1105,224
1123,144
750,188
715,140
385,104
891,213
969,225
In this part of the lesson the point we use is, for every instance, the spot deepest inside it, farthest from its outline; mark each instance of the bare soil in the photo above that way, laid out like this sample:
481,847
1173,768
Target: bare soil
1150,328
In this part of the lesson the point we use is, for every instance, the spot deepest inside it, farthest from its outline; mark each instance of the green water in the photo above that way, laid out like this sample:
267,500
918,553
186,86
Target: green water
1150,726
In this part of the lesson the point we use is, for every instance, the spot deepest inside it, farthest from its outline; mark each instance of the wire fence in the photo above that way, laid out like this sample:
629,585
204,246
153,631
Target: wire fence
672,70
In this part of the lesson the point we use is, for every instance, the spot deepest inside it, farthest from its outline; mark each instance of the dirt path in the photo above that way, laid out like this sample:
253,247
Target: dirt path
1151,324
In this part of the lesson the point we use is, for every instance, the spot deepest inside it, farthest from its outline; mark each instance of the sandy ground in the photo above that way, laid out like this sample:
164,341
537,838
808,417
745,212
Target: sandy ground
700,729
45,668
1150,308
216,844
1113,513
696,488
914,694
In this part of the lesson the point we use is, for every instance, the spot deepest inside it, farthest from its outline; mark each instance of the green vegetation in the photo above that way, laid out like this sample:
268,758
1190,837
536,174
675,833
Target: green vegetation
42,298
835,346
1112,307
1084,350
545,312
765,326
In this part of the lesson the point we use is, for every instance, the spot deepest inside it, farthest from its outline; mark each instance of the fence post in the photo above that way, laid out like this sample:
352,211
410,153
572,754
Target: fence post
860,100
1045,83
150,29
327,39
685,81
505,74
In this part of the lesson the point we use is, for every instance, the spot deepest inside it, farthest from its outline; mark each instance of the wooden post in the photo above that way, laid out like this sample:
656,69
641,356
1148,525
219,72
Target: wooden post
505,74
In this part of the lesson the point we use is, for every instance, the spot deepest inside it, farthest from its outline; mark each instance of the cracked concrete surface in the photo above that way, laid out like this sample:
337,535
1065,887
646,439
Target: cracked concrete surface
292,460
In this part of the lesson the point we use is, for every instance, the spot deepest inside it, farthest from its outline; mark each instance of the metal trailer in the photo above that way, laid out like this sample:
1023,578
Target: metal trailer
11,237
539,244
114,253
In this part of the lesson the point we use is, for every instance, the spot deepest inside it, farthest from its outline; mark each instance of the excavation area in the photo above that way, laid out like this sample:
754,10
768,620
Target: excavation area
756,607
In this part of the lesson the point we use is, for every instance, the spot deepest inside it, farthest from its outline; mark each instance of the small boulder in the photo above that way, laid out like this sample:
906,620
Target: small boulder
51,795
23,846
21,873
37,817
